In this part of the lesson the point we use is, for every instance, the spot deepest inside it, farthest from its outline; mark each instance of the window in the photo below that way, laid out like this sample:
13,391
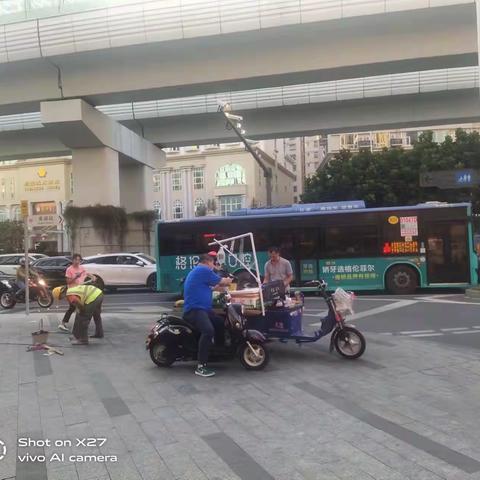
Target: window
111,260
16,212
157,178
177,181
228,203
3,188
12,188
351,241
177,209
71,183
3,214
198,178
199,205
127,260
294,189
44,208
158,208
295,199
231,174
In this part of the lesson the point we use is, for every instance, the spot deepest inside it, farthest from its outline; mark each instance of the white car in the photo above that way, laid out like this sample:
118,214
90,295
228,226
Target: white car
9,262
123,270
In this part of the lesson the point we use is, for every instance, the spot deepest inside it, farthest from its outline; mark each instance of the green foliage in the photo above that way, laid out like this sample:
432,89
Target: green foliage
212,205
11,236
201,211
109,220
391,177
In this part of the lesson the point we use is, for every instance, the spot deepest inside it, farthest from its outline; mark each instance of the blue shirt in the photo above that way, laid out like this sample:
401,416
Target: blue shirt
198,288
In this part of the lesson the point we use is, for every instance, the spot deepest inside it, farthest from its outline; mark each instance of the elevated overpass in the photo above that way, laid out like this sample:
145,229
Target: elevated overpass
157,50
394,101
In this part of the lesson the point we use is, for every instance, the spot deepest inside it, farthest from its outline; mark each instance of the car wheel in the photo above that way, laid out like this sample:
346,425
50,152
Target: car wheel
152,282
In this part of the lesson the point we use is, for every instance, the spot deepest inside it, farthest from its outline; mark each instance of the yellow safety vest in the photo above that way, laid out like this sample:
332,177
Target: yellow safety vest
86,293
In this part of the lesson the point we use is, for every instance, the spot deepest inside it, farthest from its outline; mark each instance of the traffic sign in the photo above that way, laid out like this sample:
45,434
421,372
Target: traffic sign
24,208
445,179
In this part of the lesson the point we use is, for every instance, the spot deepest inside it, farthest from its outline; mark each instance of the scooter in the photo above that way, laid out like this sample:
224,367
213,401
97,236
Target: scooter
284,324
173,339
38,290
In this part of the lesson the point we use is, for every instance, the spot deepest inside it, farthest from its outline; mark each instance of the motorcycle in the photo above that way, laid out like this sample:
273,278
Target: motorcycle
38,290
173,339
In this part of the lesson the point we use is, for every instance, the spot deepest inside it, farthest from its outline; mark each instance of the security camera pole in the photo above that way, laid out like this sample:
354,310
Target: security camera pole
234,122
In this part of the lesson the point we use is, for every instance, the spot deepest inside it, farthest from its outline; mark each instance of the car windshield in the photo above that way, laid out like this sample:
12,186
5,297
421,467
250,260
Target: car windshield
148,258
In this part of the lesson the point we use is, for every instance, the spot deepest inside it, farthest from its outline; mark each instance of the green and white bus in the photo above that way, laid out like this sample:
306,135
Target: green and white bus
397,249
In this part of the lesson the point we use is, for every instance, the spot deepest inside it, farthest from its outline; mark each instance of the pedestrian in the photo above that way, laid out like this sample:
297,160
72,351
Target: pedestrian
278,268
74,275
87,300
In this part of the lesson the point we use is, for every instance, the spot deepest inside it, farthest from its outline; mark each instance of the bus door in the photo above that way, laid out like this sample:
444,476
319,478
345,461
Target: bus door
447,253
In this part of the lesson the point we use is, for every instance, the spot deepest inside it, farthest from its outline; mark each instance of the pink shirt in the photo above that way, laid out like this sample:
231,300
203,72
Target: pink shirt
72,272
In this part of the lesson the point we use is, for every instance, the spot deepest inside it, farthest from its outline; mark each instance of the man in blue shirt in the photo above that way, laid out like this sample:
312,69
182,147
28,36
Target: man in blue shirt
197,307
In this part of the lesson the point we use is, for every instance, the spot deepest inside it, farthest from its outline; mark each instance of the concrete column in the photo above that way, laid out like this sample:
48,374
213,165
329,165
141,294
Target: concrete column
136,187
96,177
163,183
168,195
187,192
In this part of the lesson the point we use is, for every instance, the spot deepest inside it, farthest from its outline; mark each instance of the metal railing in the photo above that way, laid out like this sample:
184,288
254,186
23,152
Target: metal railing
308,93
162,20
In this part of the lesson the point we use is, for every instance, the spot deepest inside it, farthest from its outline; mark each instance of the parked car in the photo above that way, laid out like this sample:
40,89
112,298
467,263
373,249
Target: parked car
123,270
53,269
9,262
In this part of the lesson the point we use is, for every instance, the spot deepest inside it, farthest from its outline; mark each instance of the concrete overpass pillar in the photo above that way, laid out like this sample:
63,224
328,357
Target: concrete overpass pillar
96,177
136,187
111,164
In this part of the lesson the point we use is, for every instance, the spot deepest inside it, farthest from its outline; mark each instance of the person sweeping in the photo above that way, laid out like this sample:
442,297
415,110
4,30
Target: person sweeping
87,300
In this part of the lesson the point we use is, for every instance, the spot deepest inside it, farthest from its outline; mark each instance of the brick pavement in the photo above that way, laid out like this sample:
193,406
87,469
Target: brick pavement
407,410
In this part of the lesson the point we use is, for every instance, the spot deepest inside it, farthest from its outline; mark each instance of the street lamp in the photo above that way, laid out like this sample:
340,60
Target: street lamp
234,122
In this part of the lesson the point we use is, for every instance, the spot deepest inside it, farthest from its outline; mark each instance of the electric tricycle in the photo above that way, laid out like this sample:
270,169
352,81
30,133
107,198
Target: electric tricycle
279,316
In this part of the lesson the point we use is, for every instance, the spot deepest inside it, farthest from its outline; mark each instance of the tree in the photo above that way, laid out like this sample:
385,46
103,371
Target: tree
11,236
201,210
391,177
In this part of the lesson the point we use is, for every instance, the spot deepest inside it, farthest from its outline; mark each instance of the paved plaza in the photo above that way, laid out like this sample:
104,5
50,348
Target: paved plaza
408,409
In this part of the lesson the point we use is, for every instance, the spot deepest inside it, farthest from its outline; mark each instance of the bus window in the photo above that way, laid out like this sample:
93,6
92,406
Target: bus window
173,243
307,243
343,241
284,240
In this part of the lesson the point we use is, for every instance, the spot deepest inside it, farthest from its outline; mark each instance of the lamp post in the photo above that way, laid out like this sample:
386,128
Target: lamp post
234,123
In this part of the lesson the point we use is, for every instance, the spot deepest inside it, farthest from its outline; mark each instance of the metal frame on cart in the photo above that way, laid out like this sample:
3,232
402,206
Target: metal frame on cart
224,248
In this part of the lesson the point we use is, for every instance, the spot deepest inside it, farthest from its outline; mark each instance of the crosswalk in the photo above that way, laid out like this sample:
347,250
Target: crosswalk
438,332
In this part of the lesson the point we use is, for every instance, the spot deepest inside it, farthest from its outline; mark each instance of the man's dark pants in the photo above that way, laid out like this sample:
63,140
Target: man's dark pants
82,320
209,325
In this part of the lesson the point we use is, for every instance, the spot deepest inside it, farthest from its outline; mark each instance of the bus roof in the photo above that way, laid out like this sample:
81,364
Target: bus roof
420,206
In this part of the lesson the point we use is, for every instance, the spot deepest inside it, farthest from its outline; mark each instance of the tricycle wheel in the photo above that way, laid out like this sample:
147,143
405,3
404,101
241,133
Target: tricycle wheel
160,354
349,343
254,355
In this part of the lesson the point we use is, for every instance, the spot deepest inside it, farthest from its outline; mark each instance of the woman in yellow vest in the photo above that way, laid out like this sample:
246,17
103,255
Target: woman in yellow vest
88,302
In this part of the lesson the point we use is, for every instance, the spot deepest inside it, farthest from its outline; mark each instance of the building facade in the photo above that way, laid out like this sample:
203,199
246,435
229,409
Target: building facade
47,186
216,179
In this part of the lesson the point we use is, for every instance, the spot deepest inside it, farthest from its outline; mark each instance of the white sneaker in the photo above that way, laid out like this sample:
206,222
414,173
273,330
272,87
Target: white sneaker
63,328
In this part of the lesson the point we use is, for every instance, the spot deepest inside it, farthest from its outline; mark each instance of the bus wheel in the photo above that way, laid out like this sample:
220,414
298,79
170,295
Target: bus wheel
402,280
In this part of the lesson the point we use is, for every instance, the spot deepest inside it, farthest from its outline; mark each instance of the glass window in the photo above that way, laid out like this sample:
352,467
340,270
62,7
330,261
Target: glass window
228,203
351,241
198,206
127,260
3,188
177,181
157,206
177,209
172,243
16,212
71,183
231,174
12,188
198,178
3,214
156,182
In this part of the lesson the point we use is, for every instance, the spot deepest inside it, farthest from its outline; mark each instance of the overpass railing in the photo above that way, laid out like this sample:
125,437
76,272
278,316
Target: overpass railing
308,93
